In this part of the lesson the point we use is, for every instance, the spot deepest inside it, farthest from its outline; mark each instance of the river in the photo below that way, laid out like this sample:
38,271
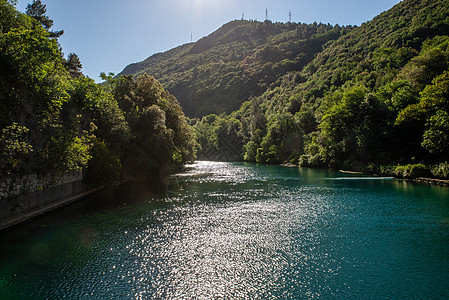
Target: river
238,231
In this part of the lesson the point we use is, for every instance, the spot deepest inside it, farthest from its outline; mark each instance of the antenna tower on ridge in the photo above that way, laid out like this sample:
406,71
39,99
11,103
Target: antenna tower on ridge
266,14
243,16
290,16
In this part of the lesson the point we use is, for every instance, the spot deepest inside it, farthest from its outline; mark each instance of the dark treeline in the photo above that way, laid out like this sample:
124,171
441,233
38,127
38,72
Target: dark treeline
376,99
54,120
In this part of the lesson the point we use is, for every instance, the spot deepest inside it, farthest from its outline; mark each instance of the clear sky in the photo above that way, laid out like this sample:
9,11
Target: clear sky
108,35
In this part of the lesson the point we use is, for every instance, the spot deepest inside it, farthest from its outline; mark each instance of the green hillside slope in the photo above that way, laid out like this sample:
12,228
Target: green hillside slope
377,95
242,58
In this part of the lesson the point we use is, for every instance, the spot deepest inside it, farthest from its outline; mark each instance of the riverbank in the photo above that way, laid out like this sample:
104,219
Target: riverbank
432,181
390,172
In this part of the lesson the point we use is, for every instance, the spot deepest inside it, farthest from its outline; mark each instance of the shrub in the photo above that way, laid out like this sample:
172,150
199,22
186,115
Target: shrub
441,170
412,171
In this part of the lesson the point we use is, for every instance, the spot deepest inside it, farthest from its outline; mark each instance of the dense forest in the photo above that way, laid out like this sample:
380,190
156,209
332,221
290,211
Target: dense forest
54,120
373,98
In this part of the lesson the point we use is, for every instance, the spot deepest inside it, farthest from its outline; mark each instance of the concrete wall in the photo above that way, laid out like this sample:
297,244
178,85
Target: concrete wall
25,196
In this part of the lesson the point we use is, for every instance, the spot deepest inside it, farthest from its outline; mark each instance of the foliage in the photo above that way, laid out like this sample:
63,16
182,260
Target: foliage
73,65
280,141
14,148
441,170
375,95
436,136
54,120
99,107
104,168
160,135
412,171
37,10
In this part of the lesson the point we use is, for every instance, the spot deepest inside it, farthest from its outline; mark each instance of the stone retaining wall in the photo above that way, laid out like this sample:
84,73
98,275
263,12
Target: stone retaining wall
28,194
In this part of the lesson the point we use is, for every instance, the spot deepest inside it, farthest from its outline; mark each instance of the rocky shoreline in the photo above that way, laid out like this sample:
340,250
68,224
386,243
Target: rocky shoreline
439,182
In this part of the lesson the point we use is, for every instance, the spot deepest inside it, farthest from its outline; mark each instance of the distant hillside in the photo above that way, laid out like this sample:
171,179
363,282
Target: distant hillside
378,95
241,59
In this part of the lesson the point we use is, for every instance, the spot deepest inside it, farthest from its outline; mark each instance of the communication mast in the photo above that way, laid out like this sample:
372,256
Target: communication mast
290,16
266,14
243,16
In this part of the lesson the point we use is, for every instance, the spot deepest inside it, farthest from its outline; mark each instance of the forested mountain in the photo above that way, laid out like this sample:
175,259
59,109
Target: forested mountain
54,120
242,58
376,96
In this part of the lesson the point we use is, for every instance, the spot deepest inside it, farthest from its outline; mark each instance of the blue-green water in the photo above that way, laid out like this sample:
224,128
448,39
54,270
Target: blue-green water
238,231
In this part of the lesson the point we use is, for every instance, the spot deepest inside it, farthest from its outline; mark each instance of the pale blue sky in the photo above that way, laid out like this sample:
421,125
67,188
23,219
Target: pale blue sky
108,35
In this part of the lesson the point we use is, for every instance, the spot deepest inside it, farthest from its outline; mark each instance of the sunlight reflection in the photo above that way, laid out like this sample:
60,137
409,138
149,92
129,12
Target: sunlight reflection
227,249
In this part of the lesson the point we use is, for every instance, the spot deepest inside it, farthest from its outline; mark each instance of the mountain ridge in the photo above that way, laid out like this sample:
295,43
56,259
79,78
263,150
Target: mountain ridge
237,61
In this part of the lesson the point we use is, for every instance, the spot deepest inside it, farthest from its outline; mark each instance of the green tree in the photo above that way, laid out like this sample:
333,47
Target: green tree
159,134
98,106
73,65
38,10
433,98
339,125
436,136
282,140
14,149
9,17
104,167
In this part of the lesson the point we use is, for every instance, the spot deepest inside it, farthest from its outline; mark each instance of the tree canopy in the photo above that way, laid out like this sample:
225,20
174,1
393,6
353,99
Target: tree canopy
374,96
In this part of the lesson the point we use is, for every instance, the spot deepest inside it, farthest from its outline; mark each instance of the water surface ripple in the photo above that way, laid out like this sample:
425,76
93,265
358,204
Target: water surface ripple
238,231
